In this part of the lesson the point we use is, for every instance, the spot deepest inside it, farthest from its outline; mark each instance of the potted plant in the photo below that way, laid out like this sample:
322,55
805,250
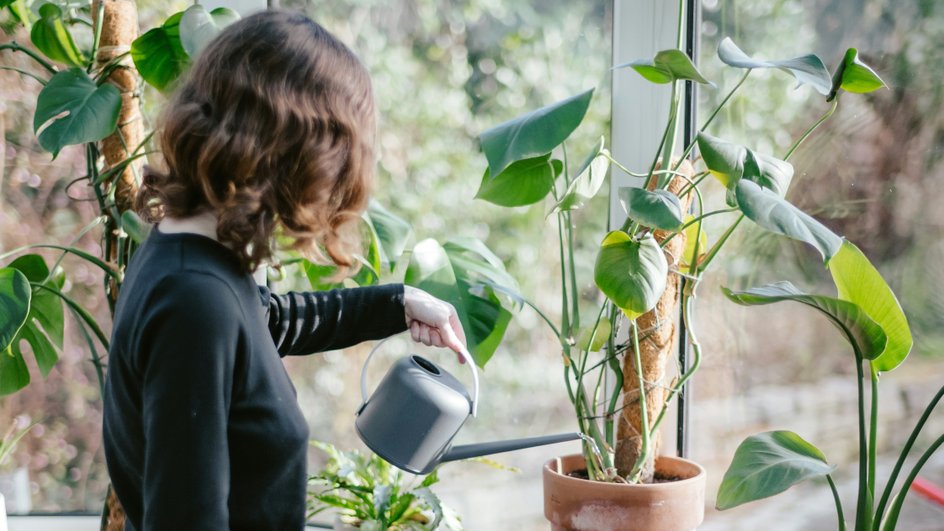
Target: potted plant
369,493
644,270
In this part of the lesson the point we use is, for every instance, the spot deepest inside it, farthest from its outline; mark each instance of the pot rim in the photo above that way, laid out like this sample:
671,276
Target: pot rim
552,466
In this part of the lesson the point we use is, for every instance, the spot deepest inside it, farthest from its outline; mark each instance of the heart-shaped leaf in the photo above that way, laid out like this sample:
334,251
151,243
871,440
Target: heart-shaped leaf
631,273
71,109
159,55
15,295
767,464
198,27
590,178
524,182
450,272
775,214
729,163
533,134
808,69
658,209
50,35
600,335
857,327
852,75
859,282
667,66
691,232
392,233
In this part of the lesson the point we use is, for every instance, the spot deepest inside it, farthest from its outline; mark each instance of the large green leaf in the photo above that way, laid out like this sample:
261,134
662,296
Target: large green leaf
631,273
859,282
523,182
667,66
198,26
19,10
729,163
767,464
659,209
852,75
15,295
50,35
44,328
590,178
450,272
808,69
71,109
857,327
159,55
533,134
775,214
392,233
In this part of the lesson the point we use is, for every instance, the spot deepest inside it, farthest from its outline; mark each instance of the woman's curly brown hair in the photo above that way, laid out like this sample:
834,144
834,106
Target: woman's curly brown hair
274,124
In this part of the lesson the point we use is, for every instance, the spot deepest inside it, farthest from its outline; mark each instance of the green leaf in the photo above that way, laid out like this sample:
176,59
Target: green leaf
19,10
857,327
44,328
688,256
767,464
71,109
198,27
631,273
134,226
775,214
450,272
320,276
50,35
524,182
392,232
808,69
589,180
159,55
15,296
534,134
729,163
859,282
667,66
600,337
659,209
852,75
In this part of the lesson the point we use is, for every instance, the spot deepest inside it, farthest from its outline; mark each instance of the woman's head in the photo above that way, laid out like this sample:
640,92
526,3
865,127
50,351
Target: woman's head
273,124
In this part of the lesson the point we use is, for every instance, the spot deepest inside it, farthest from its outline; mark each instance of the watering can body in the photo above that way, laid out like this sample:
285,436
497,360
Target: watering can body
417,409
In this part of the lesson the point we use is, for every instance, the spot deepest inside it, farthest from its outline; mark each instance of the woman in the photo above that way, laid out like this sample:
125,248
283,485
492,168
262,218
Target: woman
271,133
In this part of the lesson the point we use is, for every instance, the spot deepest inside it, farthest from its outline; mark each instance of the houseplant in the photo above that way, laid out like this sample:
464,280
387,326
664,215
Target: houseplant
370,493
644,270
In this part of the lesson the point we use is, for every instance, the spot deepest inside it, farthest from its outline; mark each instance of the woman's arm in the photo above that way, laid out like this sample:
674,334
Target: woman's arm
308,322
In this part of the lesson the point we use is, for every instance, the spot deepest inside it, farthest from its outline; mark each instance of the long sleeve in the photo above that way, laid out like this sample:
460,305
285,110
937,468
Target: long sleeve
307,322
187,358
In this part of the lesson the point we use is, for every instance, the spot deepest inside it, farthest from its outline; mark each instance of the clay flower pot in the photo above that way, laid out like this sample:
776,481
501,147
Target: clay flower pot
581,505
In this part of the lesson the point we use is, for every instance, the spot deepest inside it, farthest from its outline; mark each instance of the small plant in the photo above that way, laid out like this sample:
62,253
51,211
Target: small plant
371,494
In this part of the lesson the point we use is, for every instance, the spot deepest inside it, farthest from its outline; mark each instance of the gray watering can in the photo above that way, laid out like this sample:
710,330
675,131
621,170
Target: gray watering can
418,408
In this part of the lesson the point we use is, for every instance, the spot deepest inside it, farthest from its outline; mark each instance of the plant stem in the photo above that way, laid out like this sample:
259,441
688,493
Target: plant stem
862,505
903,455
839,513
643,407
565,307
687,301
873,431
15,46
717,246
25,73
895,509
812,128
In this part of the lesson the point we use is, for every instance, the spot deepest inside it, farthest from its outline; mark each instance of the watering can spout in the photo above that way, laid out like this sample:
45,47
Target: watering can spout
466,451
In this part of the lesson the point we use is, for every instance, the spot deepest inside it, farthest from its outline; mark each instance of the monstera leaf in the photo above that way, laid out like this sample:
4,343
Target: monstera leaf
391,231
159,55
659,209
198,26
459,272
808,69
523,182
50,35
589,180
631,273
534,134
729,163
72,109
667,66
853,75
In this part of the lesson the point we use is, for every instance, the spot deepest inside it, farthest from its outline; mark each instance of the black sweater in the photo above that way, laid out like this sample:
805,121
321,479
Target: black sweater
202,428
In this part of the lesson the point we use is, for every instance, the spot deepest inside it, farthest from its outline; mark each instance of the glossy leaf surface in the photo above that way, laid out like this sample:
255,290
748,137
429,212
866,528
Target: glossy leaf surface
658,209
767,464
667,66
631,273
50,35
808,69
589,180
71,109
729,163
198,26
856,326
392,233
852,75
777,215
859,282
159,55
533,134
524,182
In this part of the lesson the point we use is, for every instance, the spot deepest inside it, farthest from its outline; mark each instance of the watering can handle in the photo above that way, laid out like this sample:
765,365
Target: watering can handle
465,355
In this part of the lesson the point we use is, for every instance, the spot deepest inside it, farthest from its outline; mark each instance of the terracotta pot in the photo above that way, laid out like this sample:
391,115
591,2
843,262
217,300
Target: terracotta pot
581,505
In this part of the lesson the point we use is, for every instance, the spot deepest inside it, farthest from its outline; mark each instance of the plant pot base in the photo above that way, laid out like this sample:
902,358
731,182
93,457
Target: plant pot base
573,504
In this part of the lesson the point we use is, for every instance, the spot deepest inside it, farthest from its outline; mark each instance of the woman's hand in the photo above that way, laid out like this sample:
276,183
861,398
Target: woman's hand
432,322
